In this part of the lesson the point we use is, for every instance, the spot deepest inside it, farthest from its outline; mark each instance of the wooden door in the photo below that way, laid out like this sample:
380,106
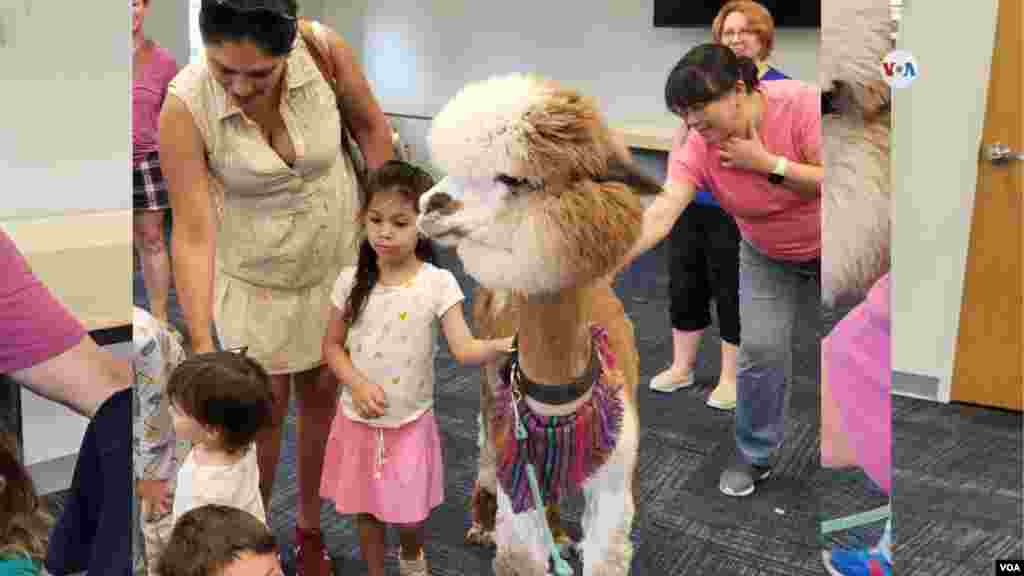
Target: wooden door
989,364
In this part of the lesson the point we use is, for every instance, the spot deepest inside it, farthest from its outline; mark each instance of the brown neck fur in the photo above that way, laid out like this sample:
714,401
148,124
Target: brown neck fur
554,340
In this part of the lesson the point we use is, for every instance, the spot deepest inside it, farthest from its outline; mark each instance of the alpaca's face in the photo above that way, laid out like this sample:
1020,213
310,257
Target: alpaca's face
856,213
539,195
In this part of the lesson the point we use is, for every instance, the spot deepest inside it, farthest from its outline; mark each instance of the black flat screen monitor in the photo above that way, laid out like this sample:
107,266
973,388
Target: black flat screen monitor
686,14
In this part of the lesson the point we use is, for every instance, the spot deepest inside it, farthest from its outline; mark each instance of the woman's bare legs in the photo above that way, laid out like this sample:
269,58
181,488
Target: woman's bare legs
148,232
268,443
317,394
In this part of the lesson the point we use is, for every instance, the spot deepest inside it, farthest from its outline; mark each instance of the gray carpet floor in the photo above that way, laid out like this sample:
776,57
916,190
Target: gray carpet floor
957,477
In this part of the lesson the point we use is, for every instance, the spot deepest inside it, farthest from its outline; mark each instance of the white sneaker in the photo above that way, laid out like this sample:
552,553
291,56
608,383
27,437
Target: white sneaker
672,379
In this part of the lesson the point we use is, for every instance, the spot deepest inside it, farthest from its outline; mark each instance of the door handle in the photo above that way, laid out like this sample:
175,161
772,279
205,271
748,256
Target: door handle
1000,153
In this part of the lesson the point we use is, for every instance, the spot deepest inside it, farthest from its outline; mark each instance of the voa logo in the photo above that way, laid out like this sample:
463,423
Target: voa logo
1009,567
899,69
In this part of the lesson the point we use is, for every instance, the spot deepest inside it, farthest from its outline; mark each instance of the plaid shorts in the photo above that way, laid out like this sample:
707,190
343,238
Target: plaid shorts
149,191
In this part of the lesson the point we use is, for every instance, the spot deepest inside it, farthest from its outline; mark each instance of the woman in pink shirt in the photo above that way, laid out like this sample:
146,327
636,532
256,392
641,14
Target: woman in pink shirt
757,147
153,68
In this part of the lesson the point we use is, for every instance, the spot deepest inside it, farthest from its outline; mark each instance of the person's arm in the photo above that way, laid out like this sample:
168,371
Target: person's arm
804,179
193,239
368,397
467,349
45,348
81,378
659,218
370,127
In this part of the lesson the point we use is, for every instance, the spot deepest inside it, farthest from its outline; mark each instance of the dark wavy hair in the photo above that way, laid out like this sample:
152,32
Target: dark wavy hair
24,520
226,391
705,74
270,24
206,540
411,182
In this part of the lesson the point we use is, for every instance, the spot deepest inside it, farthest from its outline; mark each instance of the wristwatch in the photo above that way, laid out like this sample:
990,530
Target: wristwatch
779,172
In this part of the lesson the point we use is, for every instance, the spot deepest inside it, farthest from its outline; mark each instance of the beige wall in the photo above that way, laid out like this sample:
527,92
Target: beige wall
938,123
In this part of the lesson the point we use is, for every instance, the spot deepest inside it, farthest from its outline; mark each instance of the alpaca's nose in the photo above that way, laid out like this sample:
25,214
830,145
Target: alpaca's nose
438,199
438,202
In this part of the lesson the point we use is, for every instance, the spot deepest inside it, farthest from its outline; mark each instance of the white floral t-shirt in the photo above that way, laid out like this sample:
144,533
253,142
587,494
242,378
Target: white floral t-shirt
395,340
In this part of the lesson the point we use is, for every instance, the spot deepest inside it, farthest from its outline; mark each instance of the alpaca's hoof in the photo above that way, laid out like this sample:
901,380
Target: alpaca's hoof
476,535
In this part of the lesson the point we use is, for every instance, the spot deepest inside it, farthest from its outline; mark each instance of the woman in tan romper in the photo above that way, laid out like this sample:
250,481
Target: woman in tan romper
264,202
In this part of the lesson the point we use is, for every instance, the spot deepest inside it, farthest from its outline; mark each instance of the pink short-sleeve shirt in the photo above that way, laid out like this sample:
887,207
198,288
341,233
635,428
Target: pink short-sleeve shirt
777,221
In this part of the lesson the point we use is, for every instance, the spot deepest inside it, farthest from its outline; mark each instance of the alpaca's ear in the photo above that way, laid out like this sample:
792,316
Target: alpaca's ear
629,174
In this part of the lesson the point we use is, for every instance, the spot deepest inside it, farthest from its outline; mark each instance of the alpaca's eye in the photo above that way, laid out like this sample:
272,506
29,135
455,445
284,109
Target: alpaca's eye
828,103
510,181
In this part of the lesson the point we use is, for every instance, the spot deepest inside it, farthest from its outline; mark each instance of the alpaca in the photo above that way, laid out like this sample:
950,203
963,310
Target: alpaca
855,36
540,203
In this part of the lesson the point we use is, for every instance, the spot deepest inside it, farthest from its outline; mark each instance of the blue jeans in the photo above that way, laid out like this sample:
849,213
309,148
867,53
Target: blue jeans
770,291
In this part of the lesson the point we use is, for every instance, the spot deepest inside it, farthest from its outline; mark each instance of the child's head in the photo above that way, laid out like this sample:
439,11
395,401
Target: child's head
388,216
215,540
24,521
220,399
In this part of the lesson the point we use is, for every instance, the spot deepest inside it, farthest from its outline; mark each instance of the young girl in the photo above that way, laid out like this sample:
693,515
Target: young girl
383,459
220,401
24,521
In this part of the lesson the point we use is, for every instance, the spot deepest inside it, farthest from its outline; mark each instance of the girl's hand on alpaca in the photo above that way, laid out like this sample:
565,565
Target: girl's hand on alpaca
504,345
369,400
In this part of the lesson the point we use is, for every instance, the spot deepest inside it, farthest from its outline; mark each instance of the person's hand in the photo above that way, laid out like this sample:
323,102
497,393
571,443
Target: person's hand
157,494
746,154
369,400
504,345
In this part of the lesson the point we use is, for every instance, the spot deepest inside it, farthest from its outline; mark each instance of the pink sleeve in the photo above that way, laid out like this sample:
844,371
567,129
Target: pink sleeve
687,159
34,326
808,130
857,357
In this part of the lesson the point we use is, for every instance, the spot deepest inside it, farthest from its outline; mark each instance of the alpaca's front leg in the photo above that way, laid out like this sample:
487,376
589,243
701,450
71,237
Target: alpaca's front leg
608,514
520,539
484,504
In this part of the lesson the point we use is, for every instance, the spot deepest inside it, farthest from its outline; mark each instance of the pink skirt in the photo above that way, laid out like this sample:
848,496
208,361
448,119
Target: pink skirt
395,474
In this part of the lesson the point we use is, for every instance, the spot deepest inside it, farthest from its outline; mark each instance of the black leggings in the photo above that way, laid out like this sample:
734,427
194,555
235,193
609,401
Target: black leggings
704,248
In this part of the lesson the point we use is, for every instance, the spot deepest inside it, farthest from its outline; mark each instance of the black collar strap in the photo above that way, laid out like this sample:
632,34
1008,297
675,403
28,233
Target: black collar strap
556,395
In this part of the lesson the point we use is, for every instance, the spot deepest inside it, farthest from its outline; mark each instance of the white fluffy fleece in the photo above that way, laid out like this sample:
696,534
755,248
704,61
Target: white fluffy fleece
856,204
855,209
479,132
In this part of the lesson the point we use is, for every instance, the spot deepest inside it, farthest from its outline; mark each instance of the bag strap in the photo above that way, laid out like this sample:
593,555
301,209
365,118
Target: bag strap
312,36
316,49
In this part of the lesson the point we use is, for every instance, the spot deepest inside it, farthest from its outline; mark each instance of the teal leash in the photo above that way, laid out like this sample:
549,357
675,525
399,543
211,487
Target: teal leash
854,521
562,567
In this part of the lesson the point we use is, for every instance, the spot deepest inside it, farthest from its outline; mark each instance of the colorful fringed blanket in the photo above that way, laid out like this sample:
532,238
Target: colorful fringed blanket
565,450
